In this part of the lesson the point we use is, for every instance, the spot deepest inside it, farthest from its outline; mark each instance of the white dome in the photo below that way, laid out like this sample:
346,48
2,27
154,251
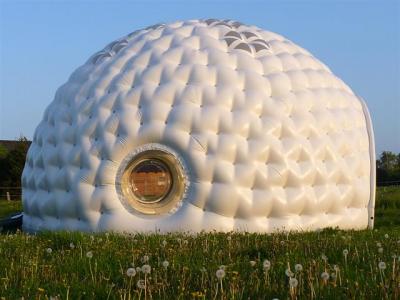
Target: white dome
260,134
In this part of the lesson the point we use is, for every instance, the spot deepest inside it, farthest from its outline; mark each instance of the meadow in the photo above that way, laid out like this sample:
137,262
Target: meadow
328,264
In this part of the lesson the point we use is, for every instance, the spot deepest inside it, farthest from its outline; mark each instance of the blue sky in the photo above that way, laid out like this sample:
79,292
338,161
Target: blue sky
42,42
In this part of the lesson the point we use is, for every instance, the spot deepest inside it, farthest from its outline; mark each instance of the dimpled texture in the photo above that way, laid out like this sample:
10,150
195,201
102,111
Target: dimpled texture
272,140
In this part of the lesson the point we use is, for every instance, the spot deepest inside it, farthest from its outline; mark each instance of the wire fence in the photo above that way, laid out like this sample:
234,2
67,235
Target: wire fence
10,193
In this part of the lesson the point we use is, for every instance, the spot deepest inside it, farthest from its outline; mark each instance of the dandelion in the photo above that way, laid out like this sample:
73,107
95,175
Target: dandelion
324,257
298,267
345,252
229,238
71,245
145,259
380,250
185,242
394,256
386,236
89,254
165,264
164,243
92,238
146,269
220,274
131,272
336,268
140,284
203,270
252,263
138,270
289,273
49,250
382,265
325,276
293,282
266,265
378,244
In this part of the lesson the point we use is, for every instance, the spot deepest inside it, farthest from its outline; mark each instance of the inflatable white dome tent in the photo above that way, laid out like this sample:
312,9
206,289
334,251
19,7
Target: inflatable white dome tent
201,125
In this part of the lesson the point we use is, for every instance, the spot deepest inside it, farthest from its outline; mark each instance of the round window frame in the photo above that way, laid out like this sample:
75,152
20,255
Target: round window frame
177,191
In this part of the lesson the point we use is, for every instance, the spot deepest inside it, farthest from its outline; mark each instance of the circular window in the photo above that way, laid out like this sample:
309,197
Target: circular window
151,181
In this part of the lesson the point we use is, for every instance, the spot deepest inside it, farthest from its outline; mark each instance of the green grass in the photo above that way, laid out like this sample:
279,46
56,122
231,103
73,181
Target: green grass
9,207
387,211
28,269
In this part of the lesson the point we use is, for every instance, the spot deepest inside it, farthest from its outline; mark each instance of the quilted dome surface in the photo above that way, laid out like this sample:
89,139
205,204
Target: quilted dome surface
266,136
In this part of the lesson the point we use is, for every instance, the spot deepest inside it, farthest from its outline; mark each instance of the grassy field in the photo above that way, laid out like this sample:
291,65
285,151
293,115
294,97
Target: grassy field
329,264
8,207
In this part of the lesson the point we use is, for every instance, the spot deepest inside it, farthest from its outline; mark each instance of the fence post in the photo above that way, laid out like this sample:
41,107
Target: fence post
8,196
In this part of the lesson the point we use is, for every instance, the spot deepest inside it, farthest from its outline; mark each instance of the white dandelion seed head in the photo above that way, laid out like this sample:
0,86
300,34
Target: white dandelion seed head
378,244
325,276
345,252
130,272
298,267
229,238
185,242
146,269
179,240
336,267
165,264
140,284
164,243
145,259
252,263
382,265
71,245
289,273
394,256
324,257
380,250
138,270
49,250
266,265
89,254
293,282
220,273
386,236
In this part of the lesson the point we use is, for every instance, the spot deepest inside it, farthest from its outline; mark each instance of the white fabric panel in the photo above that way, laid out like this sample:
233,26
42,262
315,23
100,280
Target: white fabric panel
272,140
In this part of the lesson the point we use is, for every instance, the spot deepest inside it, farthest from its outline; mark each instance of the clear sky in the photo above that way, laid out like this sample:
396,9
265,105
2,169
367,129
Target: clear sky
42,42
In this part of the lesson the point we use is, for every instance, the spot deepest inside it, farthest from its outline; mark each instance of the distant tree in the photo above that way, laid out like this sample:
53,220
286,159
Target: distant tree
12,163
388,160
388,167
